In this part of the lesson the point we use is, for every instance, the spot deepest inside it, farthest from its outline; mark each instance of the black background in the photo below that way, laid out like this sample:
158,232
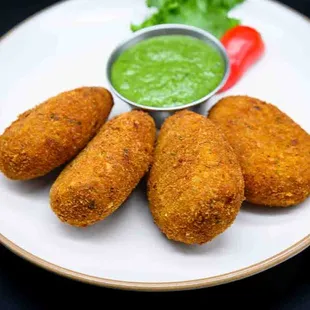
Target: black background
24,286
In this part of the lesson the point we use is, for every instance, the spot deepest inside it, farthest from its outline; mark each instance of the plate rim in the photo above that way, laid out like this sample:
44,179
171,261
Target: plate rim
161,286
232,276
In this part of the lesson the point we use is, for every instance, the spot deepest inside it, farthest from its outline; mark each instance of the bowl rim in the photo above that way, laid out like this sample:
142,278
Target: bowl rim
141,32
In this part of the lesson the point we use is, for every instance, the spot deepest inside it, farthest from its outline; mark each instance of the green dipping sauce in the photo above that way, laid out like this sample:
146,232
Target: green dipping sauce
168,71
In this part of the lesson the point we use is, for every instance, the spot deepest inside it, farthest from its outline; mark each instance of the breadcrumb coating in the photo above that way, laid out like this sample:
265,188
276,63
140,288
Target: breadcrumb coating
104,174
195,188
274,152
53,132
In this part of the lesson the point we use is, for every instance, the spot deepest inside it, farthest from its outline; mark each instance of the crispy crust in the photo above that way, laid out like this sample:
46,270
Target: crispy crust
274,152
195,188
53,132
104,174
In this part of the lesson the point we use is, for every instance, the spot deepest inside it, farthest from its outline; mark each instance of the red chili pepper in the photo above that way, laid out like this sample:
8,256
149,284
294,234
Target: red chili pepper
244,46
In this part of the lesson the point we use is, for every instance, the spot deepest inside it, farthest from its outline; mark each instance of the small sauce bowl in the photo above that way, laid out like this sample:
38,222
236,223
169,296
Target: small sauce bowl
161,113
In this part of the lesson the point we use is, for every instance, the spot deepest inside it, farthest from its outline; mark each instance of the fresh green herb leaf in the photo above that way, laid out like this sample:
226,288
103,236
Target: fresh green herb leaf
210,15
155,3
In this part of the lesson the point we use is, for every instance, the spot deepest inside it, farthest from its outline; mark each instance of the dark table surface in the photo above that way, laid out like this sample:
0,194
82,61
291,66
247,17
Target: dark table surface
25,286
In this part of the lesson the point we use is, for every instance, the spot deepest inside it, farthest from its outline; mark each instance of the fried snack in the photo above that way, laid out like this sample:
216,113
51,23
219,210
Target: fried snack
53,132
274,152
104,174
195,188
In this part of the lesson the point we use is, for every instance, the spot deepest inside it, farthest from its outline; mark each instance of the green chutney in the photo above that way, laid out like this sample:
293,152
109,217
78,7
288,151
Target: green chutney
168,71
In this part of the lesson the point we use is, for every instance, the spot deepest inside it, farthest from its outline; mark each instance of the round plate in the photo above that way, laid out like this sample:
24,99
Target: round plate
67,46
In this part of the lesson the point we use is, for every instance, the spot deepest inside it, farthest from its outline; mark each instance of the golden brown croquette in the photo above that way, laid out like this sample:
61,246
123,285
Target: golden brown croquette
195,188
274,152
53,132
104,174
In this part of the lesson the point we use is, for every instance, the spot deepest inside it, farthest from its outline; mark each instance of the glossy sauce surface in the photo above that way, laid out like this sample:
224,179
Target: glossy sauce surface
167,71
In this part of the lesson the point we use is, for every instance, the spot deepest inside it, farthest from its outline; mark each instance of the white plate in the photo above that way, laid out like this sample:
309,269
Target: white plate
67,46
